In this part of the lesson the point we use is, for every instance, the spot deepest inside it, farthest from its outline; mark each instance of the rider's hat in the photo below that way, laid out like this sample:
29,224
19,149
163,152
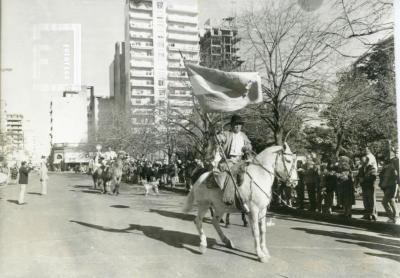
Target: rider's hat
236,120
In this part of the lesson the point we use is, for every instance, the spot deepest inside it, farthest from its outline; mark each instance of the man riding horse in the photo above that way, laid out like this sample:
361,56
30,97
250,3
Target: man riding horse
230,151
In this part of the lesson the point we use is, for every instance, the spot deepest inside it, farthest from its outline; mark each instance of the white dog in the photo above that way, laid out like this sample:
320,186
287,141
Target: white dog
151,185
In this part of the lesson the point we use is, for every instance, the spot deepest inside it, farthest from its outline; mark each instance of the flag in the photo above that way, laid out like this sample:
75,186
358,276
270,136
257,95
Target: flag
219,91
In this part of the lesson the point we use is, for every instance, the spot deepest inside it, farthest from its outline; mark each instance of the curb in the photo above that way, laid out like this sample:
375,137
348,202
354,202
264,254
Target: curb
375,226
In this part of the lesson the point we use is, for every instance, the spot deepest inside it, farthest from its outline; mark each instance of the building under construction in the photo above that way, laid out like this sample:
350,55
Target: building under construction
218,47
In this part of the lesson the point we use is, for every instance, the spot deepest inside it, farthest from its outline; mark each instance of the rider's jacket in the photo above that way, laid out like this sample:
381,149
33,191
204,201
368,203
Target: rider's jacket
234,146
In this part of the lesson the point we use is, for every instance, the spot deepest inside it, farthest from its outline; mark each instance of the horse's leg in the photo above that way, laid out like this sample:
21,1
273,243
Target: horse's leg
227,220
203,207
219,212
263,230
244,219
254,212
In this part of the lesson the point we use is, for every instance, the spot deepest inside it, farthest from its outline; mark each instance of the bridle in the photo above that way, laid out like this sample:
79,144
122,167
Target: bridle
288,172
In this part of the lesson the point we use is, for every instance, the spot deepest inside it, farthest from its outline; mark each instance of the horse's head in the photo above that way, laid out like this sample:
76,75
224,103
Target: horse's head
285,166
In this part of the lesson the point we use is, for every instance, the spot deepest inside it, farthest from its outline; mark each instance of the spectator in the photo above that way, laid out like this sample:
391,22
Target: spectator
300,185
366,177
389,180
311,181
23,181
43,175
330,185
345,181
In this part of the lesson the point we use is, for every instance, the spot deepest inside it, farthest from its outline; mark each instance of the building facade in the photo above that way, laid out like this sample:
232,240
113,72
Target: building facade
15,132
157,33
219,47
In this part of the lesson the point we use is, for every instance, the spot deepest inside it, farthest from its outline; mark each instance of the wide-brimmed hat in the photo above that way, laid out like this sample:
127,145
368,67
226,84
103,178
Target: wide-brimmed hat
236,119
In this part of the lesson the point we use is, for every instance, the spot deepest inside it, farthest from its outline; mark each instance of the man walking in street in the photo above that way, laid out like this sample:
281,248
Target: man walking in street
43,175
23,181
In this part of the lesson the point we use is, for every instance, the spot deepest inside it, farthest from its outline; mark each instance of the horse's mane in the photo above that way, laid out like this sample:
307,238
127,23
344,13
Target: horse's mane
272,149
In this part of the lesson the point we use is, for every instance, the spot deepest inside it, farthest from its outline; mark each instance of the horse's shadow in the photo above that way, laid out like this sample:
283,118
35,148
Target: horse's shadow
172,238
182,216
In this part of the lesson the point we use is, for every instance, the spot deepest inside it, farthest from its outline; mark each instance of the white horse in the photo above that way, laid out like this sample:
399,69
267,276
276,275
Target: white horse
255,191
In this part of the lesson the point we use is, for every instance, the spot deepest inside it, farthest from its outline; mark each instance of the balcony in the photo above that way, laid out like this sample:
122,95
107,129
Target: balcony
136,35
141,64
183,9
146,16
141,7
135,25
175,66
174,57
183,84
179,37
135,73
183,48
177,75
142,56
141,83
141,46
184,29
183,19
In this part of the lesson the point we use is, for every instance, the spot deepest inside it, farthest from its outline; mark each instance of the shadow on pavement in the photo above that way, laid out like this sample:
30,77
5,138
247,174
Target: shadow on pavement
182,216
390,246
119,206
304,220
172,238
386,256
83,186
87,191
34,193
13,201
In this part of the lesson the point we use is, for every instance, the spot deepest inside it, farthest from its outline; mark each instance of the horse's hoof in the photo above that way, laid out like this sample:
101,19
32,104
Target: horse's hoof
203,249
230,244
264,259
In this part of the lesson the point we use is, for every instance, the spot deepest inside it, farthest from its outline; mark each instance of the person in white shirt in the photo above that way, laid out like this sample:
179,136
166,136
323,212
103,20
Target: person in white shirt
234,143
43,175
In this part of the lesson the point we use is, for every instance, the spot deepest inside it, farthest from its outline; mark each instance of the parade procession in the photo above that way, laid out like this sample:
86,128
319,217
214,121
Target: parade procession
197,138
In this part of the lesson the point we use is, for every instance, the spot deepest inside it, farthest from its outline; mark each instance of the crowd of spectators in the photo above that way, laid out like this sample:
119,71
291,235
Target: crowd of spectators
334,184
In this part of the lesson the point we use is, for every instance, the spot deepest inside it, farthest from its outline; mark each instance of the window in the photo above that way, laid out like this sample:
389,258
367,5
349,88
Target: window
160,82
161,92
159,5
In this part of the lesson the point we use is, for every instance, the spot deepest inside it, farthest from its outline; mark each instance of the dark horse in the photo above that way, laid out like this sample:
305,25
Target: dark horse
107,174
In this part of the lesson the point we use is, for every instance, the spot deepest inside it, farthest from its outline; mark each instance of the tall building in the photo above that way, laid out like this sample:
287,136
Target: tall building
15,132
218,47
118,79
156,34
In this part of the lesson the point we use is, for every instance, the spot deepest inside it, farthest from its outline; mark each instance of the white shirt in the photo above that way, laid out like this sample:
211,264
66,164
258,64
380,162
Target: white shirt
237,144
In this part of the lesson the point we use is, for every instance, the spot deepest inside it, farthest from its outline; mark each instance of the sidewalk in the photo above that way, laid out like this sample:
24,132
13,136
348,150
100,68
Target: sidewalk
357,212
337,215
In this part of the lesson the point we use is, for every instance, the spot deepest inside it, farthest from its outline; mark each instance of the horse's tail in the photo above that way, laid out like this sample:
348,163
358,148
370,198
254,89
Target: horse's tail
189,202
190,198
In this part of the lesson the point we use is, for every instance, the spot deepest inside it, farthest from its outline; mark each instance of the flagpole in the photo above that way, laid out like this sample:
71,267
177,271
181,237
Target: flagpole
220,149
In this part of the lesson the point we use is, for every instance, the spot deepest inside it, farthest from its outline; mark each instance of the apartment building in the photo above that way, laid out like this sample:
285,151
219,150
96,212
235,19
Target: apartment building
157,34
15,131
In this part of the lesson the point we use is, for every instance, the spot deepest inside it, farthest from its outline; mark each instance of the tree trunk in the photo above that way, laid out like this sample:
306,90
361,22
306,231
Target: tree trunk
339,141
278,136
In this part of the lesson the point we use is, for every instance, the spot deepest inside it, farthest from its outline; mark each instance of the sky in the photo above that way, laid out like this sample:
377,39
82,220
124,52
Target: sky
101,25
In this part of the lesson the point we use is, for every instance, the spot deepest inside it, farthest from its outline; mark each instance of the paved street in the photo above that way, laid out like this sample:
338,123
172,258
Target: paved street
76,232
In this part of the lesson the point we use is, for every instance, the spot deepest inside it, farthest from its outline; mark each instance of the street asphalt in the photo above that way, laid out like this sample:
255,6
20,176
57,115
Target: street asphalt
75,231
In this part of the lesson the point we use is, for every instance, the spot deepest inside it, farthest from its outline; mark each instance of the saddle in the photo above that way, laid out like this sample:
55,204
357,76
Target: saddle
224,181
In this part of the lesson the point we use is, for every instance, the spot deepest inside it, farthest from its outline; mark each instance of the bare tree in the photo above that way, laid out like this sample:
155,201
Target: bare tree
361,19
288,49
